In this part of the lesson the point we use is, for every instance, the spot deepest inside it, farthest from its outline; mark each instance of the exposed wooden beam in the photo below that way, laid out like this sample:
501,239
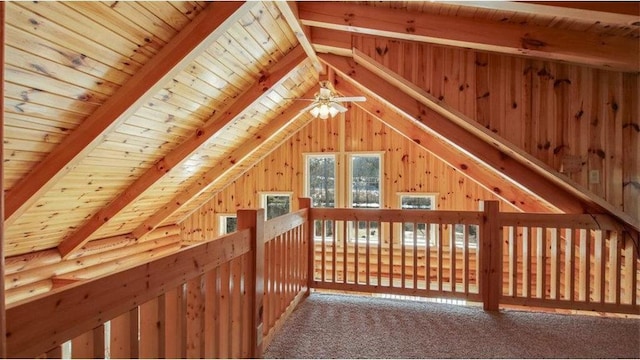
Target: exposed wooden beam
460,138
425,138
606,12
198,35
289,11
208,179
279,71
613,52
564,186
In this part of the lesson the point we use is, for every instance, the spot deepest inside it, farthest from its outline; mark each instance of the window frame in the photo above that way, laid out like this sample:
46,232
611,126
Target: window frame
265,194
307,184
349,176
223,222
433,230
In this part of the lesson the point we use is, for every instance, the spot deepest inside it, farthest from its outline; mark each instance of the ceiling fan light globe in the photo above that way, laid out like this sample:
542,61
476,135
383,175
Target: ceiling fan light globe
315,111
324,111
333,111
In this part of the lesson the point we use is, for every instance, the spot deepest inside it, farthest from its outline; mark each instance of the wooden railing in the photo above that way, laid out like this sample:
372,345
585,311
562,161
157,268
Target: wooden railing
580,262
205,301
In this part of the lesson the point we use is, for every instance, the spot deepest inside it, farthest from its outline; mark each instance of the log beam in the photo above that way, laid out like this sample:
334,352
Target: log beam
172,58
613,52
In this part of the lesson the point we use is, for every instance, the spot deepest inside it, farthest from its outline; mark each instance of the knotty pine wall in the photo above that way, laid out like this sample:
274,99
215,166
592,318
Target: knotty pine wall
407,167
547,108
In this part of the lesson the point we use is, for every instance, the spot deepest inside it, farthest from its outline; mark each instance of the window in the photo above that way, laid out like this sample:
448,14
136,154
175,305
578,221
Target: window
276,204
228,223
320,186
421,231
365,193
321,181
365,181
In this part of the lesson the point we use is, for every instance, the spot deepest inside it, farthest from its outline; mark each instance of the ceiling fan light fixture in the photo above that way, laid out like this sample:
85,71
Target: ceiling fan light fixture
315,111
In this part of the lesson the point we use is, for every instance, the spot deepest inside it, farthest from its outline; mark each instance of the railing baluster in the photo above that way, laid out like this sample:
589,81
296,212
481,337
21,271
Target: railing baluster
542,262
391,241
323,239
334,244
452,258
403,254
379,267
428,257
414,251
465,259
345,251
440,267
583,276
368,264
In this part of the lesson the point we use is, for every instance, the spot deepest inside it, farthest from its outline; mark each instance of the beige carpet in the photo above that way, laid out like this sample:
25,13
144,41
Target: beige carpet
345,326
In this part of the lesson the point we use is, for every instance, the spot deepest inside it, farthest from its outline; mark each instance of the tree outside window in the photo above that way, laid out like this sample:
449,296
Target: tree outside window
321,188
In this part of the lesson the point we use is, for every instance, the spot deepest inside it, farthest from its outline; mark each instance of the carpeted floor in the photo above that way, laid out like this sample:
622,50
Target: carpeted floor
347,326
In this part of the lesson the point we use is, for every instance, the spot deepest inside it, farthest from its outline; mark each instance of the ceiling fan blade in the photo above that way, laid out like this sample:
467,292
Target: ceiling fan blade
299,99
350,98
338,107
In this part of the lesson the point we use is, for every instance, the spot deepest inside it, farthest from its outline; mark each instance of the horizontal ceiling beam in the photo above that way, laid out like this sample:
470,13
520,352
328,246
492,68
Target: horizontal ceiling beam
469,166
543,180
603,12
208,179
198,35
612,52
275,74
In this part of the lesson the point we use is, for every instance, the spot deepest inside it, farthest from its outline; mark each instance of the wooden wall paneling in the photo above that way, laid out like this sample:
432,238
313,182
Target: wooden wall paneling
82,346
225,312
612,176
195,319
149,331
211,314
121,336
235,324
630,113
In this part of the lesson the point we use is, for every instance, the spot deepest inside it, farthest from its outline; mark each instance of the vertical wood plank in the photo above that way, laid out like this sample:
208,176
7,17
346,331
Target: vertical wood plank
584,275
345,276
82,346
323,250
55,353
526,262
440,251
427,256
149,331
403,256
452,259
194,318
391,241
171,330
465,257
513,262
414,251
120,337
367,255
555,264
491,256
236,308
225,302
99,342
211,308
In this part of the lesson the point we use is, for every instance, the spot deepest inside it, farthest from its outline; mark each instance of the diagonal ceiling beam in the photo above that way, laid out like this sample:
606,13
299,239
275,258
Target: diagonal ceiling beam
558,187
425,138
276,125
289,11
273,76
613,52
457,136
198,35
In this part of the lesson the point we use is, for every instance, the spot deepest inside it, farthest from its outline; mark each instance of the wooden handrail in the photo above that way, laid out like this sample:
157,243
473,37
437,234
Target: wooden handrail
281,224
399,215
39,324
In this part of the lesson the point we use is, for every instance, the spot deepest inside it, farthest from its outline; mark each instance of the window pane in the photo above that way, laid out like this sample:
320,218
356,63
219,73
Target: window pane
277,205
232,224
321,180
365,181
421,231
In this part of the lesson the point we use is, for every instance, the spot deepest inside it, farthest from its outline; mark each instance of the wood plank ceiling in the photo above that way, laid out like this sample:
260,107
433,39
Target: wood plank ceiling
124,116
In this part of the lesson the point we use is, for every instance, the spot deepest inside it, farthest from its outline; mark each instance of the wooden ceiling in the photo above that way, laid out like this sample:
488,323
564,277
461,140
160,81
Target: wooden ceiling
124,116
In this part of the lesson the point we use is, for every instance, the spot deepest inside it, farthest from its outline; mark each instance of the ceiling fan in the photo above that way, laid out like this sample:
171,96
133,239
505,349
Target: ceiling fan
326,103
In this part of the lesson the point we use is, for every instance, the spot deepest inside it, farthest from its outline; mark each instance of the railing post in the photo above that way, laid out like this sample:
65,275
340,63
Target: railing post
306,203
254,220
491,256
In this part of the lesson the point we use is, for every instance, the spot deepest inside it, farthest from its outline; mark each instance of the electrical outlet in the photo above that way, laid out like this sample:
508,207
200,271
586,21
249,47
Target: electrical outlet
594,176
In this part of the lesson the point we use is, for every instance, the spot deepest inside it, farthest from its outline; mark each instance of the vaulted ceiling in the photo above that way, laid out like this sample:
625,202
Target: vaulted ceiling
121,117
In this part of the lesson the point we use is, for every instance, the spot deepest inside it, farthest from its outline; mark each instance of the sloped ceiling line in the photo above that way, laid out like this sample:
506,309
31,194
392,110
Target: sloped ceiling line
205,181
612,52
274,75
488,153
210,24
239,156
472,168
560,188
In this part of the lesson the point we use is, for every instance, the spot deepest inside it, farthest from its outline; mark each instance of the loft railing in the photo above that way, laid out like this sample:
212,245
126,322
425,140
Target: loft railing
226,297
580,262
205,301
